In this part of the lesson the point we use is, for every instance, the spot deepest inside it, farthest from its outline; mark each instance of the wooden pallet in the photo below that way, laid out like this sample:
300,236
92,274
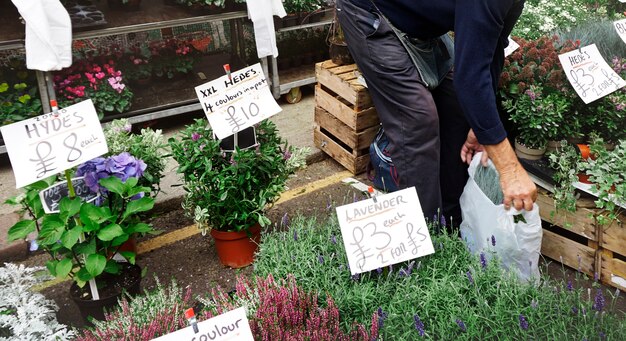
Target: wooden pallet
576,240
345,120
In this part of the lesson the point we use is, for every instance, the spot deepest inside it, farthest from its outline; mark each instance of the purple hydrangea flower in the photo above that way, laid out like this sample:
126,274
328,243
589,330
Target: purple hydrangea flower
419,325
124,166
522,322
461,325
93,171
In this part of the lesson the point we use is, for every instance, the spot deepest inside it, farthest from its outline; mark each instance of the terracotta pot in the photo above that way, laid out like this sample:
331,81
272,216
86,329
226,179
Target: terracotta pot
585,151
528,153
129,280
236,249
584,178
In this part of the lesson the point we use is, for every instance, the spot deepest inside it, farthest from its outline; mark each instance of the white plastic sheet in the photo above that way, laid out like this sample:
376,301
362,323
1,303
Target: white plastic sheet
518,245
261,13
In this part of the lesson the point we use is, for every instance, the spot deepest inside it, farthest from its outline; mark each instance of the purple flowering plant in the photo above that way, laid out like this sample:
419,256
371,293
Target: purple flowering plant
230,191
83,237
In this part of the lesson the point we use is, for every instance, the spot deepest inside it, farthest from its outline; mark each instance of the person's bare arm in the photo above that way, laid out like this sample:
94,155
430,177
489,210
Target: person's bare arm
519,190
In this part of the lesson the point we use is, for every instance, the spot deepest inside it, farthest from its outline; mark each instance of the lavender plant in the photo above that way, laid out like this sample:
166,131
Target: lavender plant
449,295
24,314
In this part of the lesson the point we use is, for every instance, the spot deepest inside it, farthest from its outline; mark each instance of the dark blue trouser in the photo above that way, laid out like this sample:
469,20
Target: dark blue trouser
427,128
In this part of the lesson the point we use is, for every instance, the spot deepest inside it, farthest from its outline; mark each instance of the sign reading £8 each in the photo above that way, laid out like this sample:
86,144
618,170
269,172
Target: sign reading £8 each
237,101
51,143
384,230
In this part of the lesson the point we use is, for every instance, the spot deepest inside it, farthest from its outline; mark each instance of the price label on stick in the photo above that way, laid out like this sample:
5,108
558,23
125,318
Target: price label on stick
237,100
384,230
620,27
51,196
51,143
589,74
232,325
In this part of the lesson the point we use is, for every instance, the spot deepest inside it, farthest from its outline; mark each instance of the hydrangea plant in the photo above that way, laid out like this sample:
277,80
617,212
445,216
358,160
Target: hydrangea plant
82,238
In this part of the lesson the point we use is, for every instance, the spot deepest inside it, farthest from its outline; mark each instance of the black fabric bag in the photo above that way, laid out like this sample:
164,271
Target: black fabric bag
381,170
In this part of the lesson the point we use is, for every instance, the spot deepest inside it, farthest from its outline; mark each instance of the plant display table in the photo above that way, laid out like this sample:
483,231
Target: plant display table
345,118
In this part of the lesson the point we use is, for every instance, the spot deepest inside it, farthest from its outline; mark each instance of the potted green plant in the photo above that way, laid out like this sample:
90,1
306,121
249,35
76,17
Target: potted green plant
229,192
83,238
567,164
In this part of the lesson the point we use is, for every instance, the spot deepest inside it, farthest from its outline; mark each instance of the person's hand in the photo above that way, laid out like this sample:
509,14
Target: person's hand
519,190
471,147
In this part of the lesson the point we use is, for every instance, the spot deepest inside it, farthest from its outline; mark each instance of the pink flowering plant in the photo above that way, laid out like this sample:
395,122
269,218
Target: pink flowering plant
171,57
83,237
230,191
102,83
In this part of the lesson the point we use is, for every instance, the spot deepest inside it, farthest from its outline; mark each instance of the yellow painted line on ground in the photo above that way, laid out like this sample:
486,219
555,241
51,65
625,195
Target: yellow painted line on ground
191,230
313,186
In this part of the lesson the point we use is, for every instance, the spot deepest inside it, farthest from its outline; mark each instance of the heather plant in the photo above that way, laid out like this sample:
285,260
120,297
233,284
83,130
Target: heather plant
143,317
26,314
149,146
449,295
281,310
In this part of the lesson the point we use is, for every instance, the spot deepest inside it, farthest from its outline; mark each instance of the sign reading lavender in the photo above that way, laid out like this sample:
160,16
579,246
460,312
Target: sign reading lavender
237,101
51,143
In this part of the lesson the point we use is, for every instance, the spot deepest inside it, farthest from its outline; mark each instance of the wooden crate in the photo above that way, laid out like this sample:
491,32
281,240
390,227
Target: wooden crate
576,240
345,120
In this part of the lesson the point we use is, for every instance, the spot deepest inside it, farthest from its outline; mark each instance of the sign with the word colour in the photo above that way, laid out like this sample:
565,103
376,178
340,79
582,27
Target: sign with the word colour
51,196
235,103
386,231
232,325
589,74
51,143
513,45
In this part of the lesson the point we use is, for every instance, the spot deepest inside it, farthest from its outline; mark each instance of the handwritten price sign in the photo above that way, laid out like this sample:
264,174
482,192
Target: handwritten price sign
234,104
388,231
589,74
48,144
513,45
620,27
232,325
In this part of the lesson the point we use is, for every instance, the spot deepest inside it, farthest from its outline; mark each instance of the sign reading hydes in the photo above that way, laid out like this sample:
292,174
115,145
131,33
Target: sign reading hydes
513,45
232,325
589,74
234,103
51,143
386,231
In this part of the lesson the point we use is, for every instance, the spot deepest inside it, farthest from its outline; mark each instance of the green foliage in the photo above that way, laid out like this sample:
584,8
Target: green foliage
599,32
18,102
607,171
298,6
437,290
540,116
83,238
149,146
567,163
230,191
542,17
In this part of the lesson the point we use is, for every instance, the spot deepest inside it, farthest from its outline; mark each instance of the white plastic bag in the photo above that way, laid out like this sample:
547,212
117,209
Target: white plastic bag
517,245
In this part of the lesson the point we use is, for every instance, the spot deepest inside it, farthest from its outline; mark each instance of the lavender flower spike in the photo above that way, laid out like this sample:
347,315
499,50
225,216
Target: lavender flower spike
461,325
522,322
419,325
469,277
483,260
493,240
599,301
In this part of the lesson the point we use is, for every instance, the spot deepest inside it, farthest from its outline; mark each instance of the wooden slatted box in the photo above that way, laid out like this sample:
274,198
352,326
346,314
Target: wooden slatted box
345,119
575,239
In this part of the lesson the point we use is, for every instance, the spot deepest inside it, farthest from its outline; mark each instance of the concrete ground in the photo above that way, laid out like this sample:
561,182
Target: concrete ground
295,124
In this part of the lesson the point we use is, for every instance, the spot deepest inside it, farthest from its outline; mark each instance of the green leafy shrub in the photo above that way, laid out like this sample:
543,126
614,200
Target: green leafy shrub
18,102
